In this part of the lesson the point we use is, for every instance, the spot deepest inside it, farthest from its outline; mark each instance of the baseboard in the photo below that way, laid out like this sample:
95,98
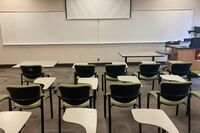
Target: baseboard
70,64
96,64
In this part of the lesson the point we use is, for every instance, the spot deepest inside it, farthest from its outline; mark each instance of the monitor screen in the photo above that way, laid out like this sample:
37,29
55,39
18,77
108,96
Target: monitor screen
197,29
195,43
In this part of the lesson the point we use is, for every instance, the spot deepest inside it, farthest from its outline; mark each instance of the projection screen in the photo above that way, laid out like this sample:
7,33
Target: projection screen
98,9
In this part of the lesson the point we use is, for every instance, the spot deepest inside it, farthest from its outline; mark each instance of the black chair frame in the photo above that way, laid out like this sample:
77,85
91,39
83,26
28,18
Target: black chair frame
60,107
111,74
26,73
122,98
88,71
33,99
109,108
188,109
149,74
185,72
175,97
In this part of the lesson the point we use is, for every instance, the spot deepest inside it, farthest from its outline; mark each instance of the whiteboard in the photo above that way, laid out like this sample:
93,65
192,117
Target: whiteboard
98,9
45,28
147,26
39,28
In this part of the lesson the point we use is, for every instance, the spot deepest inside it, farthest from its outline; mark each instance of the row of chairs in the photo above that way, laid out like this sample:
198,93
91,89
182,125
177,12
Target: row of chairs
24,97
120,95
128,95
112,71
146,72
123,95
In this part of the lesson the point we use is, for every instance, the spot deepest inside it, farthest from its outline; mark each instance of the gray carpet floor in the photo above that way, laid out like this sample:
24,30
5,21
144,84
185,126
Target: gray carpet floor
122,120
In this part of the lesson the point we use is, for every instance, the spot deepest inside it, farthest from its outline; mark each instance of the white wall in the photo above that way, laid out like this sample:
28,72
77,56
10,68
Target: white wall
82,53
169,4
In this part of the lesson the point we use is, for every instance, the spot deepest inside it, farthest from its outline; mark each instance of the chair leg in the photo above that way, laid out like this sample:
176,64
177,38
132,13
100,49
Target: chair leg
158,107
102,82
189,122
51,101
21,79
98,82
140,128
187,108
189,77
189,114
139,101
158,102
159,80
148,100
9,104
75,79
158,130
42,116
90,103
153,84
59,115
105,84
163,131
94,99
109,115
177,107
104,106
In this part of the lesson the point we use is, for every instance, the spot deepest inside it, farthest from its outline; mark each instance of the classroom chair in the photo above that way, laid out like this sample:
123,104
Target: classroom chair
71,96
122,95
30,73
148,72
27,97
111,73
173,94
84,71
180,69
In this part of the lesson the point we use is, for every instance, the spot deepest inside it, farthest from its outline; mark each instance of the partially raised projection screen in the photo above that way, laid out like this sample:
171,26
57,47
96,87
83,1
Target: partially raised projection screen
98,9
